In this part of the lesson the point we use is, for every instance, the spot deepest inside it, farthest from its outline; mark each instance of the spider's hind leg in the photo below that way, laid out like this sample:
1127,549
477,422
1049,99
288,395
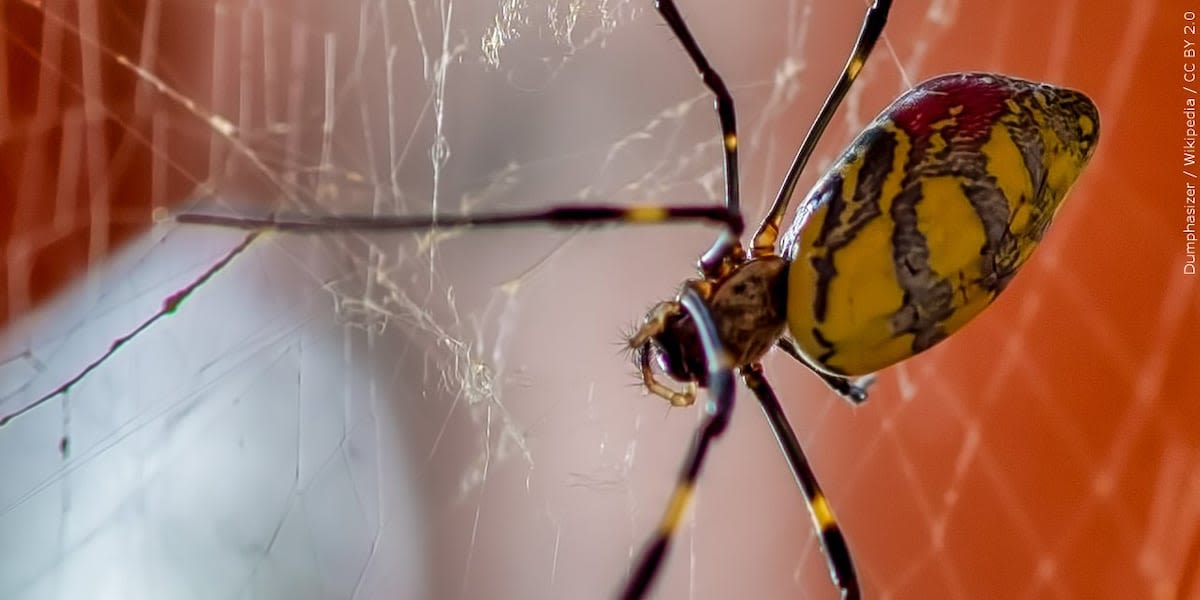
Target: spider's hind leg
853,390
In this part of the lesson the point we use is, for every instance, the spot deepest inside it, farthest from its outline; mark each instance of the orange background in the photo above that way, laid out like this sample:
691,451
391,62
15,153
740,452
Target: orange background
1050,450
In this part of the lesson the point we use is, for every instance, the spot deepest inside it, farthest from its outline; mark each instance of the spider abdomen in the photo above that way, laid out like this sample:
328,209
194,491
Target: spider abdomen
927,216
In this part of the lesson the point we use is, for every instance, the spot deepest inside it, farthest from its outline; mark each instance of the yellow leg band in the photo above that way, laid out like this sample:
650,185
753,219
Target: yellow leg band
679,502
822,513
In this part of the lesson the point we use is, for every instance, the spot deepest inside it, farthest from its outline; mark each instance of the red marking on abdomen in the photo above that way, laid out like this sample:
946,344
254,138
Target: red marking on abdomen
982,97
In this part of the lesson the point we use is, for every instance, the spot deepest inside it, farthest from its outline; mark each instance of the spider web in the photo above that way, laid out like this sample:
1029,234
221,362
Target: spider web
410,416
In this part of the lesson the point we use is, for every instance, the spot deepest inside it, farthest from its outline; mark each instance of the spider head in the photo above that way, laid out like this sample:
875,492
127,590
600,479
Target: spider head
667,338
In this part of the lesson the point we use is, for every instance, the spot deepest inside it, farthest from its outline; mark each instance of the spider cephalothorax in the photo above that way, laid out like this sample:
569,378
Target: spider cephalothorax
748,307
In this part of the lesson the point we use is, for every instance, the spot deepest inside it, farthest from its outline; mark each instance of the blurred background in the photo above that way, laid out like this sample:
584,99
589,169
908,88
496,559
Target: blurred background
450,415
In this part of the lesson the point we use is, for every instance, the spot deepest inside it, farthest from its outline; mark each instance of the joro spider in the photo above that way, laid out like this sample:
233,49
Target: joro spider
915,229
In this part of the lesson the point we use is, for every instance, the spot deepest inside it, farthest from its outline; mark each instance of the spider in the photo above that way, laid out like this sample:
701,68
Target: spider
913,231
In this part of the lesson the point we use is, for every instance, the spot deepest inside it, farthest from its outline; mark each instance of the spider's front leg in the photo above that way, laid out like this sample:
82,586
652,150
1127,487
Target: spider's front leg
665,321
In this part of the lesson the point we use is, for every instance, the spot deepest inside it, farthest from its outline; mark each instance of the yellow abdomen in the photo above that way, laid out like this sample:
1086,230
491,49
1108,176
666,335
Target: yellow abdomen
929,214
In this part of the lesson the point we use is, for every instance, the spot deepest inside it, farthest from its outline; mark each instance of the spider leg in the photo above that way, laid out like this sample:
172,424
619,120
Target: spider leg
852,390
872,28
719,408
169,306
563,216
837,553
728,245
